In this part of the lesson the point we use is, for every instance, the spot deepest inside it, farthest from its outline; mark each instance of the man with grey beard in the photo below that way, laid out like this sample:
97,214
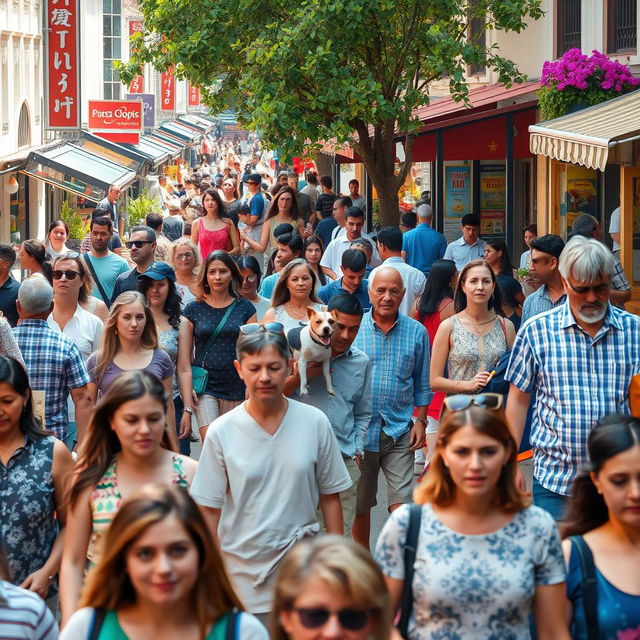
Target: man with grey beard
578,360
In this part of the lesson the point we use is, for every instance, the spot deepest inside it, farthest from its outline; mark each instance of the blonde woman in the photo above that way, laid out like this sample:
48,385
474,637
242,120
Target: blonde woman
185,259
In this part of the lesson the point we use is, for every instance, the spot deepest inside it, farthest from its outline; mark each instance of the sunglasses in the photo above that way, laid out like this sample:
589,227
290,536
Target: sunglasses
138,244
255,327
460,402
600,288
350,619
69,275
73,255
250,279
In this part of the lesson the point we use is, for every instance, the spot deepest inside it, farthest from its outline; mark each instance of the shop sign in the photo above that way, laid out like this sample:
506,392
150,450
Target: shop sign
116,120
137,84
493,200
167,91
62,77
193,99
457,198
148,105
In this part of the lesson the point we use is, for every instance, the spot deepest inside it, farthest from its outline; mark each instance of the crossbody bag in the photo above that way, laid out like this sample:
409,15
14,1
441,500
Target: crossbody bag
410,551
199,375
103,293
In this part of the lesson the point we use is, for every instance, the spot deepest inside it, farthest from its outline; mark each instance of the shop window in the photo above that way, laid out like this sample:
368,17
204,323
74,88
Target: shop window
24,127
478,35
568,29
622,26
111,47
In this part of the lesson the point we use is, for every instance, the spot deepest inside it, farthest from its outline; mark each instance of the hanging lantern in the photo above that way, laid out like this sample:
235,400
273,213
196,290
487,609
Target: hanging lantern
12,185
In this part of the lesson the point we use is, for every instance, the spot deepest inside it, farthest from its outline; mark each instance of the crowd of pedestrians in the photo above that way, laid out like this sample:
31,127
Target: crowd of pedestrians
505,397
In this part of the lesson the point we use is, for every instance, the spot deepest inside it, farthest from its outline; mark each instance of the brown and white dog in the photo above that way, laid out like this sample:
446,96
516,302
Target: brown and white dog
312,343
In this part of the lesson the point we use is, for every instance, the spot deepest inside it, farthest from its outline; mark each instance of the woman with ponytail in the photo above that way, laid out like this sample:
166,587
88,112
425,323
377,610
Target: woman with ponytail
602,533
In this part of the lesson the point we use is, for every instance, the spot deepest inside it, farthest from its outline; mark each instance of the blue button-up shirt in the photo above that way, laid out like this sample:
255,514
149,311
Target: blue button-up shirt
423,246
539,302
335,288
577,380
462,253
55,366
349,410
400,374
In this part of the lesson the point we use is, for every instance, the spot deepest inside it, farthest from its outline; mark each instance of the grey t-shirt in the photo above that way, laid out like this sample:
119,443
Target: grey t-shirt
268,487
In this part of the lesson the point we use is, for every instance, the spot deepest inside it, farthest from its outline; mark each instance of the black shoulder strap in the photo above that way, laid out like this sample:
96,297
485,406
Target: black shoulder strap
589,586
410,549
232,618
103,294
96,623
216,332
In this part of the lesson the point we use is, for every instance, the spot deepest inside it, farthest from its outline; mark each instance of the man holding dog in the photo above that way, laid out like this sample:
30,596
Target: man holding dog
398,348
349,410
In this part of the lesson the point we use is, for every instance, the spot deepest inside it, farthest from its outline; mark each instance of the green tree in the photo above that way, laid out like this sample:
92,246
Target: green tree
345,70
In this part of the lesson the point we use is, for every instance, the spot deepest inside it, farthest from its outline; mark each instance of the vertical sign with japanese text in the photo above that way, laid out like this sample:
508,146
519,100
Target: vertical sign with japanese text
62,85
167,91
137,84
193,98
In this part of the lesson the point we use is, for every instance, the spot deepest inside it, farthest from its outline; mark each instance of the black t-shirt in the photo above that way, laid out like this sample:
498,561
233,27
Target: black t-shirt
510,288
127,281
8,297
324,204
224,382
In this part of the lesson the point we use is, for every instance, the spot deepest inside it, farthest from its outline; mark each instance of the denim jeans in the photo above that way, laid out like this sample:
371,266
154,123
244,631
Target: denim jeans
185,443
553,503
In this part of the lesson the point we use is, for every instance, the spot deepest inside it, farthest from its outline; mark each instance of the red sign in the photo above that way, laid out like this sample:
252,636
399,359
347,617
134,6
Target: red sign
194,96
62,90
116,120
167,91
137,84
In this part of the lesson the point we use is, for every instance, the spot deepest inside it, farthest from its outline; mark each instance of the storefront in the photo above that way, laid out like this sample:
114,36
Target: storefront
587,160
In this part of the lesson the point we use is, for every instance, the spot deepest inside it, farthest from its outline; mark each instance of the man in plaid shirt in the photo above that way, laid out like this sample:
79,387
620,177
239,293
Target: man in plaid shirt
54,364
578,359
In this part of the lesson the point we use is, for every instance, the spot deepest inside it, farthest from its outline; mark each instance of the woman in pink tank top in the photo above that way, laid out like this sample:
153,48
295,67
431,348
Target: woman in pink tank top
211,232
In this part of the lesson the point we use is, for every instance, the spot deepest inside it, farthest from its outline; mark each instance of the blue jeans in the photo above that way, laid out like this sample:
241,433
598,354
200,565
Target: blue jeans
185,443
553,503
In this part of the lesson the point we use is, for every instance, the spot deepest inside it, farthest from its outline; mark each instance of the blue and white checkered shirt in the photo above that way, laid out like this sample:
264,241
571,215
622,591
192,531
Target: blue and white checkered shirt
400,374
55,366
577,380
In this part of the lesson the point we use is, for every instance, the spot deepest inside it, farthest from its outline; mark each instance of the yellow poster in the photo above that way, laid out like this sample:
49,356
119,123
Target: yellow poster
581,192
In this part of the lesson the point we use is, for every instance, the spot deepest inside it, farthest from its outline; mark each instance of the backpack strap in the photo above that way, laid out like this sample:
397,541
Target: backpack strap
589,586
232,623
410,549
103,294
97,620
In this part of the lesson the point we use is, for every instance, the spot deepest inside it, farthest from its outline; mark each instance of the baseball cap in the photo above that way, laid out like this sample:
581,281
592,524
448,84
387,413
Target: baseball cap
254,177
549,243
159,271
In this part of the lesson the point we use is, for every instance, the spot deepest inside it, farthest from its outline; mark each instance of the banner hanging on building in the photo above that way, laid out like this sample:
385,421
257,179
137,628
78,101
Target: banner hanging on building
193,98
62,77
137,84
167,91
116,120
148,105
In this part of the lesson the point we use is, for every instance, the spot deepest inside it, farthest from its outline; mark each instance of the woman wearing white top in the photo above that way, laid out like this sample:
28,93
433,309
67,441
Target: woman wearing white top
185,259
56,238
293,294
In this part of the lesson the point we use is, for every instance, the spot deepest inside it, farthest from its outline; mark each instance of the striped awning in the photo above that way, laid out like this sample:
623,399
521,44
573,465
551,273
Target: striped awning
586,136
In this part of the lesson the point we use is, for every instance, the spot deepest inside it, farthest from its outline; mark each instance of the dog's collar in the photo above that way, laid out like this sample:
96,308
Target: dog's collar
312,334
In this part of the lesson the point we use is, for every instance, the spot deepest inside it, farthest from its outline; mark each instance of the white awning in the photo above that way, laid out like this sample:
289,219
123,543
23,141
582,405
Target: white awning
586,136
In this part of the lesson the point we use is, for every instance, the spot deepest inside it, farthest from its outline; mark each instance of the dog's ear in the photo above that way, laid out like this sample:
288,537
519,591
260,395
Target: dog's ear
310,312
334,313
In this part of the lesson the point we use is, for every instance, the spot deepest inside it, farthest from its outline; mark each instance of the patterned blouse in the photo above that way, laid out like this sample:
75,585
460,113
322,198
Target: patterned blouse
106,500
28,528
474,586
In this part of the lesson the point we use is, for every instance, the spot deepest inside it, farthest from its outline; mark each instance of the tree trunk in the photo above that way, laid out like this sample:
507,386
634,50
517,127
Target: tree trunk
388,198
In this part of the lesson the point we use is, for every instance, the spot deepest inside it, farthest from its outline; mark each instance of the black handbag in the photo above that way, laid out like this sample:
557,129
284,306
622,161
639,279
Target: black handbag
410,549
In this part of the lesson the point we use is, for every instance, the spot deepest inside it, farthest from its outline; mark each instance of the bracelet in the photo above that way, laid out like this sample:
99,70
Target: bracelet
188,410
420,420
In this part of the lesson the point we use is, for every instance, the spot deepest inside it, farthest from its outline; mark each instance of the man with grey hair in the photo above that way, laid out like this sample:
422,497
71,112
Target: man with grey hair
53,362
422,246
578,360
142,244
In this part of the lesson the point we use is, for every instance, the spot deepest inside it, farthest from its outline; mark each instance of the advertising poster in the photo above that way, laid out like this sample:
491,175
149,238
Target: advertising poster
149,106
493,200
580,193
457,198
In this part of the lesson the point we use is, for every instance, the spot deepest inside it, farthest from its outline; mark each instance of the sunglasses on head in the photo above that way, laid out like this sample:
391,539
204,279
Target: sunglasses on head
138,244
72,254
69,275
460,402
254,327
350,619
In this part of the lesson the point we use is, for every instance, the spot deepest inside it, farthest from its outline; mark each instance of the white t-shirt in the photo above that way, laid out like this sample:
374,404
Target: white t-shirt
268,488
332,256
614,226
262,305
79,625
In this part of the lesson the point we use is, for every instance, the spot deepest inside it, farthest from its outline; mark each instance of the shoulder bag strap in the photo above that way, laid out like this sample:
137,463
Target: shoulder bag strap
589,586
216,332
410,549
503,326
103,294
232,623
96,624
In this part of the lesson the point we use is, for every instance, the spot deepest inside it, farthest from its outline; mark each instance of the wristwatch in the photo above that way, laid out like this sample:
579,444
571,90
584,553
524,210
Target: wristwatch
188,410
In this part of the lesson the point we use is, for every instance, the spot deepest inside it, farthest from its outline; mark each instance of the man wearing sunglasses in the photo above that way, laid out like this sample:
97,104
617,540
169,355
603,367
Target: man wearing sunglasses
578,359
142,244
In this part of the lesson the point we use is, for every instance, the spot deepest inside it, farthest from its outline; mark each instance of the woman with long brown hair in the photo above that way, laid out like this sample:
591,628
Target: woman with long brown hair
161,576
127,446
485,560
214,230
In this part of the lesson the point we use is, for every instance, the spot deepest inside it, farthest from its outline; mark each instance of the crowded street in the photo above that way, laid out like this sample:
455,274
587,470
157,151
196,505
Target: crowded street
319,321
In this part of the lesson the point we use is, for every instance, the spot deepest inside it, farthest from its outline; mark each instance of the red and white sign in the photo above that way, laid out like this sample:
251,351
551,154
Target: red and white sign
62,87
167,91
193,98
116,120
137,84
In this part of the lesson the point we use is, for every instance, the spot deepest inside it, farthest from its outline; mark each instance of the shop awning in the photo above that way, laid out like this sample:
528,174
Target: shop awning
115,152
77,170
585,137
170,143
155,153
180,130
192,120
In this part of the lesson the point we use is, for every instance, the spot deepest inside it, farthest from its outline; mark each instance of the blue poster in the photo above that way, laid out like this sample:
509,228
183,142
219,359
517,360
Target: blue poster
149,105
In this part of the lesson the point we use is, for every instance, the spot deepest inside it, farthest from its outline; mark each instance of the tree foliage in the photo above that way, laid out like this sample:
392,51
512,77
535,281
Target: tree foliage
349,70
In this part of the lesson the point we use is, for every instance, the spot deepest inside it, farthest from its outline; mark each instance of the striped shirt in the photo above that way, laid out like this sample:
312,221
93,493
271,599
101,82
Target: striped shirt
577,380
400,374
24,615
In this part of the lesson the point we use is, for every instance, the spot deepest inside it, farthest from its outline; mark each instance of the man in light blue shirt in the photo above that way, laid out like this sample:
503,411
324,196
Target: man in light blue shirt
354,263
469,247
349,410
422,246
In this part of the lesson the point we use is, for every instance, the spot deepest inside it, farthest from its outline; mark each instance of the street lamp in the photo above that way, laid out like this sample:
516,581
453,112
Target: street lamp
12,185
